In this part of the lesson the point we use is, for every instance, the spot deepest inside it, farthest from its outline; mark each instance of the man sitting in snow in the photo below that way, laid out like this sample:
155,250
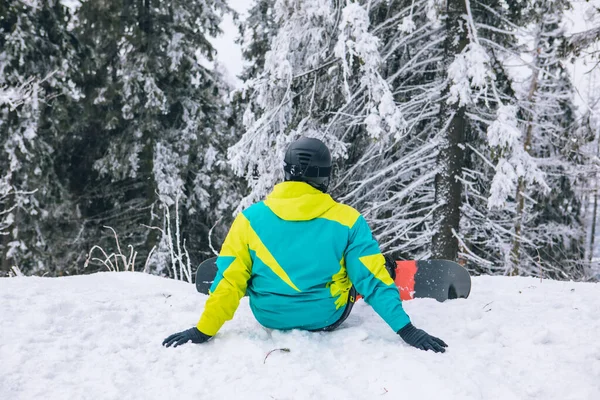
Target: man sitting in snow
301,257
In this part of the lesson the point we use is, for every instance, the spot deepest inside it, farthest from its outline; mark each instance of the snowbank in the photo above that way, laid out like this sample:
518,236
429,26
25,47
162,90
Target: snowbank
99,337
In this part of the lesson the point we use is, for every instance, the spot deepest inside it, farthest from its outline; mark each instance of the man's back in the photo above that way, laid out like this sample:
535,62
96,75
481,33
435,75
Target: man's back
297,238
297,254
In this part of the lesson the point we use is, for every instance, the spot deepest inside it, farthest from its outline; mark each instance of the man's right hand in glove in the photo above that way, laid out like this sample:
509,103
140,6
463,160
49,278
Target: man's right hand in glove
421,340
191,335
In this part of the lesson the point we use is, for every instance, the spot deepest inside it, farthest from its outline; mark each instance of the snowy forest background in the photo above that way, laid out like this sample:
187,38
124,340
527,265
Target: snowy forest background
457,128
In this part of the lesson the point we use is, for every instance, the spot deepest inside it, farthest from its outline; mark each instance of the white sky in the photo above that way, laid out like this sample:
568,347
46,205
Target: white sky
229,53
585,77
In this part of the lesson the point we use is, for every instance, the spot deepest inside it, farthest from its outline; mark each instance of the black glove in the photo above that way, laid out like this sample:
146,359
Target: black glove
192,334
421,340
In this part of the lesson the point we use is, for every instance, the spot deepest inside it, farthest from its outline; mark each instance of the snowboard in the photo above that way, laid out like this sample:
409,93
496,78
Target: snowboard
437,279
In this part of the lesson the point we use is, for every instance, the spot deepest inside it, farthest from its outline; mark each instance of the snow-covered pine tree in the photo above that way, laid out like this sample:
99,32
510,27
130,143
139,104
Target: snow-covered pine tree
392,184
35,56
488,90
532,223
256,32
400,202
453,125
476,81
323,77
153,128
551,135
590,127
440,70
584,49
321,57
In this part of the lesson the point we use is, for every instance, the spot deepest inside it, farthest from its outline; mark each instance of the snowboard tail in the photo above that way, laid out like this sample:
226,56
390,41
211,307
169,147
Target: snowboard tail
438,279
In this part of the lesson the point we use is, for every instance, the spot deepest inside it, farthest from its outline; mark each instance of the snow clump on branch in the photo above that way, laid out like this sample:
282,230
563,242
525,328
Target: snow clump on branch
356,45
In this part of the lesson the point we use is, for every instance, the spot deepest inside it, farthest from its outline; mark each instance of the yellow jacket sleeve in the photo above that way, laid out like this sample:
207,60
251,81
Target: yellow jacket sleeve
234,266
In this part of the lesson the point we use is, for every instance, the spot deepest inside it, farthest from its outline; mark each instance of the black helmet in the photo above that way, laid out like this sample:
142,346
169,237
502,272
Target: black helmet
308,160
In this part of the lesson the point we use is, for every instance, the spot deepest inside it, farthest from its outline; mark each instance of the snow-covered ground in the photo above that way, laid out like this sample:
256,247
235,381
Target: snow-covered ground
99,337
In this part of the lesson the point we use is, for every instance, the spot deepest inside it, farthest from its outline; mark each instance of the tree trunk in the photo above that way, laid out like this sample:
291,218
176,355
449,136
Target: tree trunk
595,212
448,189
4,262
521,187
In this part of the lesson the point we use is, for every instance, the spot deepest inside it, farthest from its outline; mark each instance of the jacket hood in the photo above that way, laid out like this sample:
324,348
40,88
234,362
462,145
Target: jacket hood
298,201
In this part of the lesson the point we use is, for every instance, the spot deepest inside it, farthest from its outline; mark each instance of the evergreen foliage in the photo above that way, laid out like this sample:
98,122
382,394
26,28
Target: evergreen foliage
36,56
115,123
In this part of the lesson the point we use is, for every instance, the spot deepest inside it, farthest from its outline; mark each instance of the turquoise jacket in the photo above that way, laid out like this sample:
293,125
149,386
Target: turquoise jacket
296,254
